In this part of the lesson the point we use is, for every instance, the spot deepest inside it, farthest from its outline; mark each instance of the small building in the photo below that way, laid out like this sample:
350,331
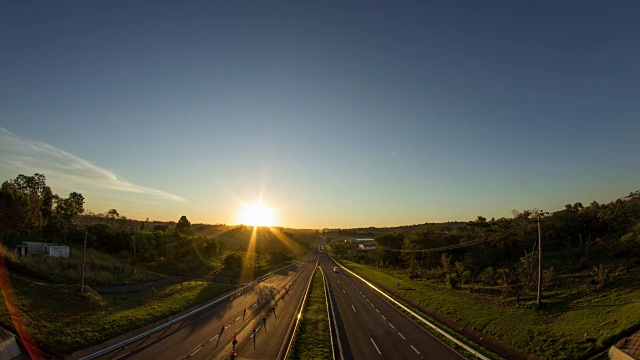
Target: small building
32,248
359,240
367,246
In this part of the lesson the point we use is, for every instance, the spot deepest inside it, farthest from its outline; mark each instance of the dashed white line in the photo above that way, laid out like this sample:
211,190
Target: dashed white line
402,336
258,328
414,349
383,317
374,344
390,324
344,291
239,317
378,310
198,349
354,309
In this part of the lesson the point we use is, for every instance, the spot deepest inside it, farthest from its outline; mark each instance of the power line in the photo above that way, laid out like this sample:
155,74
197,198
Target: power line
468,243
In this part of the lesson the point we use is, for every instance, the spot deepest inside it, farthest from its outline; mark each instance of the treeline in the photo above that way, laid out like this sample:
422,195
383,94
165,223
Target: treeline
503,251
28,205
30,211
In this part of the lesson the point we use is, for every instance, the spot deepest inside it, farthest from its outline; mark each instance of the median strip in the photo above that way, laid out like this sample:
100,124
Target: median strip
312,339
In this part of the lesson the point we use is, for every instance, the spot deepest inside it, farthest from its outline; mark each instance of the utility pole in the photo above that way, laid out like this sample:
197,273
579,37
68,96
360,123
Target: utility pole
84,256
135,270
538,216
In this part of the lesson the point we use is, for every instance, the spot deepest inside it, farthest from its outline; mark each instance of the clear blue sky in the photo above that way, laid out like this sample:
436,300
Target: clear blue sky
337,114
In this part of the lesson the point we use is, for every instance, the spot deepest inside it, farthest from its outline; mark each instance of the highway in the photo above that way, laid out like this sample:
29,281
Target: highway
369,327
204,338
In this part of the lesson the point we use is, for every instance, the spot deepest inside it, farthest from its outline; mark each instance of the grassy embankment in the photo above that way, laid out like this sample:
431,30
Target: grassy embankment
61,320
312,339
101,269
566,327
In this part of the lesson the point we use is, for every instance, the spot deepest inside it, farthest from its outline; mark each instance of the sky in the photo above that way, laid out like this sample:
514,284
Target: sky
335,114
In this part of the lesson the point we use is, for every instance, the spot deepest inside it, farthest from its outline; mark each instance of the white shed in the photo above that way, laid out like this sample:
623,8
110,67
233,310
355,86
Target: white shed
34,248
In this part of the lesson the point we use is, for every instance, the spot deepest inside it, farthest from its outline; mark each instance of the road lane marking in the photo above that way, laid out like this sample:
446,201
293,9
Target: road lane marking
354,309
378,310
378,350
198,349
238,318
258,328
390,324
344,291
403,338
414,349
383,317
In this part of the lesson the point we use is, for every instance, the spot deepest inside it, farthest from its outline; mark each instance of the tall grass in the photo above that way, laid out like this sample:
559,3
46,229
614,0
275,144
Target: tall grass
312,339
101,269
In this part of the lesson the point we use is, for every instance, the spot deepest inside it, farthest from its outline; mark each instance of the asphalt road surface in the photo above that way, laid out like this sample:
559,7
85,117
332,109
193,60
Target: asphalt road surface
369,327
204,338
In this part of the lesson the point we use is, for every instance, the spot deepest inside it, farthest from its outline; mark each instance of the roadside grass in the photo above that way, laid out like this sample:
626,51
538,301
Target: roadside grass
567,327
61,320
101,269
312,339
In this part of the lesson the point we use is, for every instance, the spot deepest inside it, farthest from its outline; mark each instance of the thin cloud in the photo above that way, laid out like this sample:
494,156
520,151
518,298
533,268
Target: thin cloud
27,155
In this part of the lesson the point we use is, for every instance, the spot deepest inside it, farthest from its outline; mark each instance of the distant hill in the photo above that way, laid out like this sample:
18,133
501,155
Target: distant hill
376,231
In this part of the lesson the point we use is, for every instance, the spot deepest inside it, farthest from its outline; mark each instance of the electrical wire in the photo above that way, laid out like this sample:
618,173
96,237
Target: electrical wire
490,238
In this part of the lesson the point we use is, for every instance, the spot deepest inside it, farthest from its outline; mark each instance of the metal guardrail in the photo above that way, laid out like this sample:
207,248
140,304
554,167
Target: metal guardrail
296,321
129,341
430,324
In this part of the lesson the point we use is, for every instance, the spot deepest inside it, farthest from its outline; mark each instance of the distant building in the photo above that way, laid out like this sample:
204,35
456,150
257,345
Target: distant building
32,248
367,246
359,240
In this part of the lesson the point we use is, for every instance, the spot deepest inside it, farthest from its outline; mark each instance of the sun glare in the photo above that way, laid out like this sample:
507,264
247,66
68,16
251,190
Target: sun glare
257,215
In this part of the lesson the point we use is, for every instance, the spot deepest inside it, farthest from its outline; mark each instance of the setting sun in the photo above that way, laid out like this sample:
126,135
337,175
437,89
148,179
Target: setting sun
257,215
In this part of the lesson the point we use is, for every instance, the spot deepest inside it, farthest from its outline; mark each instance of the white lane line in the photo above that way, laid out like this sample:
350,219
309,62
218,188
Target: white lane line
416,350
373,306
402,336
390,324
374,344
198,349
344,291
378,310
354,309
210,340
239,317
258,328
383,317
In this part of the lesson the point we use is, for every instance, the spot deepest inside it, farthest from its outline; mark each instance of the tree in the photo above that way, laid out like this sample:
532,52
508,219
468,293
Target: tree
112,214
184,226
233,263
67,210
15,211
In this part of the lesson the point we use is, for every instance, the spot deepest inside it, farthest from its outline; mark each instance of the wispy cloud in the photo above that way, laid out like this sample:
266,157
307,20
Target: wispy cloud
21,154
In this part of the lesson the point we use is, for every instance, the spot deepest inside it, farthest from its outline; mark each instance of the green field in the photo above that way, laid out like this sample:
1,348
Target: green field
61,320
564,328
312,339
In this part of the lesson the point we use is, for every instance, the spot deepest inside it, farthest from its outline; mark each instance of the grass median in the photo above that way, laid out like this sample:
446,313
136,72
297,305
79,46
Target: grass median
312,340
562,329
61,320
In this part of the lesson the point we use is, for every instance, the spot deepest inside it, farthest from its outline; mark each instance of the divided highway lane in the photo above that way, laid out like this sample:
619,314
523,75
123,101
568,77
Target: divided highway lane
372,328
203,338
